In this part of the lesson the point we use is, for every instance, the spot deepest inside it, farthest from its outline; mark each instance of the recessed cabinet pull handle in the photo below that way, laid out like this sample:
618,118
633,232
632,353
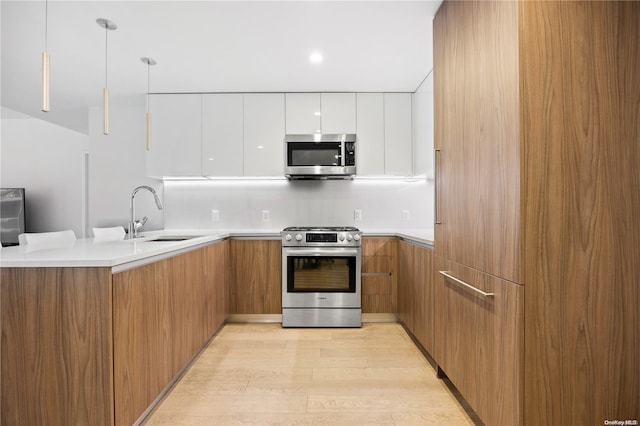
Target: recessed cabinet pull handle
435,187
469,286
376,274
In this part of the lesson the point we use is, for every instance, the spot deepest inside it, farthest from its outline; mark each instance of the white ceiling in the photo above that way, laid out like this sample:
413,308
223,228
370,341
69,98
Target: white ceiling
209,46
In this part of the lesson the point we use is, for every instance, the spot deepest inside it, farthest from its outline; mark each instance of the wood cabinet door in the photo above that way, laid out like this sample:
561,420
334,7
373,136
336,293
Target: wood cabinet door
256,277
415,292
477,136
478,341
379,276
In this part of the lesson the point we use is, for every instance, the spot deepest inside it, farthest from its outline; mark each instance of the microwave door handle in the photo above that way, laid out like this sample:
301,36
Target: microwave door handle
342,148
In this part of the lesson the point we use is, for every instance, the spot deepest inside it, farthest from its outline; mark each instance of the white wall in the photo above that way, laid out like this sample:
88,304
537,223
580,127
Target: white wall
117,165
49,162
241,202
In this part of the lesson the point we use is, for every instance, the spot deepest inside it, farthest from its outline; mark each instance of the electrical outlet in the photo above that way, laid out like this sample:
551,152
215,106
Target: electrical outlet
215,215
357,215
266,217
405,215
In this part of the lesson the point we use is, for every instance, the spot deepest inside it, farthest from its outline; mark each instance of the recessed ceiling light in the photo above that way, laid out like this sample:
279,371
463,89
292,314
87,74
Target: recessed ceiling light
316,57
316,113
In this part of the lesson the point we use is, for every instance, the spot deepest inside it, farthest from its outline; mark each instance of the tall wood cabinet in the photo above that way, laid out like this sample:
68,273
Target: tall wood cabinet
537,153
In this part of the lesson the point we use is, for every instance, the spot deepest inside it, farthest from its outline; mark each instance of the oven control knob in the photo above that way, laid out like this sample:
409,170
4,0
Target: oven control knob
341,237
298,237
288,237
356,237
349,237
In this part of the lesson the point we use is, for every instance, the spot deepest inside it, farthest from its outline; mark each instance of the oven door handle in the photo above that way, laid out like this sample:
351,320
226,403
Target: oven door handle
322,252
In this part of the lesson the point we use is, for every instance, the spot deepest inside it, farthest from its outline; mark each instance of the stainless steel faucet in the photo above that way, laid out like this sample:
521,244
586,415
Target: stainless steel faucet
133,224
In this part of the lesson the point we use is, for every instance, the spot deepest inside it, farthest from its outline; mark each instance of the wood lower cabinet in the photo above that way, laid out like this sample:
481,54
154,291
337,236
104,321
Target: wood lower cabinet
56,351
415,292
479,341
85,346
256,277
379,277
163,313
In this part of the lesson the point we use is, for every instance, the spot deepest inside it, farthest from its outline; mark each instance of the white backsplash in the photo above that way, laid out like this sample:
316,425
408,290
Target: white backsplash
384,203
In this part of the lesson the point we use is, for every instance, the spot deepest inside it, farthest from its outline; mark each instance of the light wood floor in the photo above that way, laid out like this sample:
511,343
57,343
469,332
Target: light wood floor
262,374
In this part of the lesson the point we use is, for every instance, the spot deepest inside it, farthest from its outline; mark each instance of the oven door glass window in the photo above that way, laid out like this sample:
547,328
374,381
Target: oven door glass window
315,274
314,154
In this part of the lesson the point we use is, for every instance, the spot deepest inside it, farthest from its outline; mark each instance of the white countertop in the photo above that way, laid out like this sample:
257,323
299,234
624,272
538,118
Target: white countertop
89,253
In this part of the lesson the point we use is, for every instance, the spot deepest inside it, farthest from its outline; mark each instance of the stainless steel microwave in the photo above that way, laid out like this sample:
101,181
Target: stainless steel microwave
320,156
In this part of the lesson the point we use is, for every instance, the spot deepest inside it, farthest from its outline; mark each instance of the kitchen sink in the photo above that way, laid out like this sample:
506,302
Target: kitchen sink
166,238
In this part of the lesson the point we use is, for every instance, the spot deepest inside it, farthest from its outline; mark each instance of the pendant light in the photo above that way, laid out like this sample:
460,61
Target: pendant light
149,62
108,26
45,61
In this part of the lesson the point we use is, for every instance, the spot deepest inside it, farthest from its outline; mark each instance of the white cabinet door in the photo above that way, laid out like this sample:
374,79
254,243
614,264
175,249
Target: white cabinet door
222,135
423,128
175,135
397,134
264,134
370,134
338,112
302,113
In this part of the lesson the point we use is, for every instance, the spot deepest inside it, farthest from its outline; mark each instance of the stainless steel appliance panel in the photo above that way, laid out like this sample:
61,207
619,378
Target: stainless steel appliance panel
292,317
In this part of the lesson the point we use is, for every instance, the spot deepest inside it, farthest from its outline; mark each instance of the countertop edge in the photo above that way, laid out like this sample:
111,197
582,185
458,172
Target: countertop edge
167,250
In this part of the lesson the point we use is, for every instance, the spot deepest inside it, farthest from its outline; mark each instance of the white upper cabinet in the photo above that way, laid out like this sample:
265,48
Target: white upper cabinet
222,135
338,112
308,113
398,134
175,135
423,129
303,113
243,134
370,134
264,132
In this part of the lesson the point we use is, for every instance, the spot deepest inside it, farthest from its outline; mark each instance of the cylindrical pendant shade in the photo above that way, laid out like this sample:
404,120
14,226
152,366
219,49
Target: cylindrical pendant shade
148,131
45,81
105,107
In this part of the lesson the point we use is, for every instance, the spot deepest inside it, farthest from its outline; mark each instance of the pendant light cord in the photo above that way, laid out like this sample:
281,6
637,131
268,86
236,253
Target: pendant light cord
46,24
148,83
106,55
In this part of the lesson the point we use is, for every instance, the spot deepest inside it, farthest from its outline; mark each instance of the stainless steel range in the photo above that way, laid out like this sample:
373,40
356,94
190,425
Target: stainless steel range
321,284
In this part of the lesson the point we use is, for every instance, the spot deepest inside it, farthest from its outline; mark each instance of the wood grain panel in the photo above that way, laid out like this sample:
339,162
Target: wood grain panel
163,313
423,319
581,118
143,338
477,134
479,342
256,277
379,293
415,292
56,352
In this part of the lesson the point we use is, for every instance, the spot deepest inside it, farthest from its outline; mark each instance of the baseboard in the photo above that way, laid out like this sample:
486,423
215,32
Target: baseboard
277,318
